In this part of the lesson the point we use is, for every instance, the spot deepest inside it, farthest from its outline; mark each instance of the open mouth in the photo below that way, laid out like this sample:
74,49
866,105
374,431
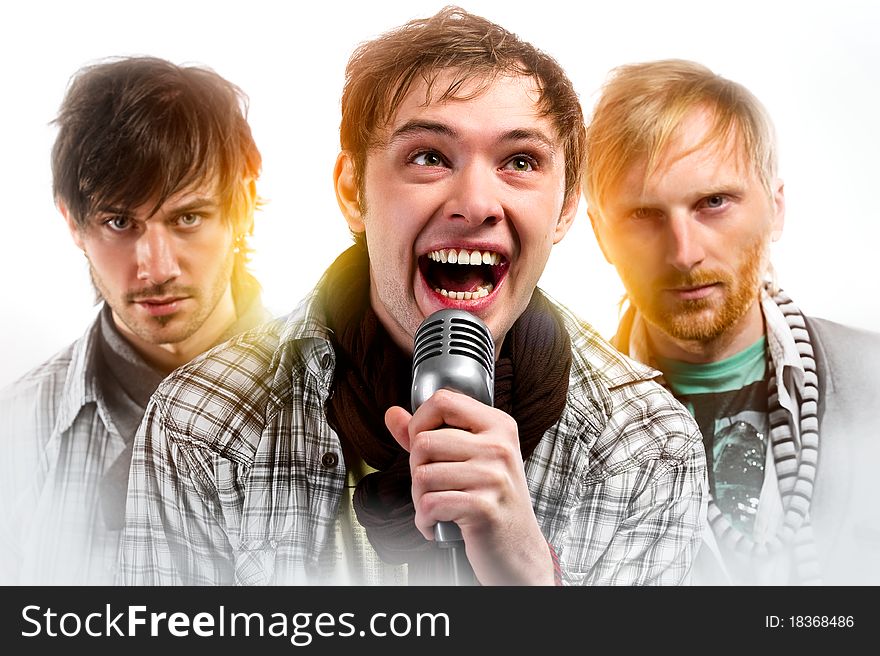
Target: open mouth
463,274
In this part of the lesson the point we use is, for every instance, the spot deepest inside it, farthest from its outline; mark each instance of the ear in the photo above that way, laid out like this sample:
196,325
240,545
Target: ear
778,209
74,229
595,221
566,218
250,200
347,195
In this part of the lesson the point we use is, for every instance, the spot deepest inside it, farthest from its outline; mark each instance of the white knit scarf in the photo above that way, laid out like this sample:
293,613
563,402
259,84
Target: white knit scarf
795,467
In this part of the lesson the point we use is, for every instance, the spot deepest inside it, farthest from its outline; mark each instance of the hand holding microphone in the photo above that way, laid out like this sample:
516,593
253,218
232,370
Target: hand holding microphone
453,350
467,469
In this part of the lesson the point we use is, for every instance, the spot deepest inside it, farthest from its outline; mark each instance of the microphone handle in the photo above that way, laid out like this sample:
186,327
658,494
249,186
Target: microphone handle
447,534
457,569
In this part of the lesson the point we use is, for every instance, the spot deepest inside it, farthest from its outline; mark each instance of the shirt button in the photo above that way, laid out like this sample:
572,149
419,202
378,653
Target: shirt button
329,460
325,360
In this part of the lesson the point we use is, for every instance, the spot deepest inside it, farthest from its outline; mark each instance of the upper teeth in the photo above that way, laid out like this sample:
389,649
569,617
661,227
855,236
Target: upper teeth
462,256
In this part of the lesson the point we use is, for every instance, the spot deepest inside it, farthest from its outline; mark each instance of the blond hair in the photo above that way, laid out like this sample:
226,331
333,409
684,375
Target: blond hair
642,107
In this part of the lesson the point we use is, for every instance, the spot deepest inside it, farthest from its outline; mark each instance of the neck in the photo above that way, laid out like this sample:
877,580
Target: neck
742,334
168,357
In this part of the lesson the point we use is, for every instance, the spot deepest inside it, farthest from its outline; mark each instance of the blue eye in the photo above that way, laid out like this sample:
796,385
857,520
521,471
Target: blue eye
714,202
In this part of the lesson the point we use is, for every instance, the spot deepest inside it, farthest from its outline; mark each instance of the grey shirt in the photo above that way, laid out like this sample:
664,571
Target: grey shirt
66,430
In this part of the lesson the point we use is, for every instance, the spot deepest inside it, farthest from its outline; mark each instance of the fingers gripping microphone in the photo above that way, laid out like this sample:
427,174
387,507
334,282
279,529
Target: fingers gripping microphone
453,350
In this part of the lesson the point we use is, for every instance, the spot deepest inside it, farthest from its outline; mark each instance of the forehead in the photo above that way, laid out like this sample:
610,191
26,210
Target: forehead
504,102
697,136
694,159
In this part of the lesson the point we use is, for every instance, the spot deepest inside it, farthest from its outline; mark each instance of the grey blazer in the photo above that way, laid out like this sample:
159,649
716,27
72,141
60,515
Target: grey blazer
846,499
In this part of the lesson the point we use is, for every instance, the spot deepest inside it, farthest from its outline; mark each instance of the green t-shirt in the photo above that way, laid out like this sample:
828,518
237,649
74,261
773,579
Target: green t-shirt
728,399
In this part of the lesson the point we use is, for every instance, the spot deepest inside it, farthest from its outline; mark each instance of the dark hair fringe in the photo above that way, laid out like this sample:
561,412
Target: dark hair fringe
139,129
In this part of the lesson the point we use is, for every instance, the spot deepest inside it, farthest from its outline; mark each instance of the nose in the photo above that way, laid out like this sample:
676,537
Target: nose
475,196
684,248
156,257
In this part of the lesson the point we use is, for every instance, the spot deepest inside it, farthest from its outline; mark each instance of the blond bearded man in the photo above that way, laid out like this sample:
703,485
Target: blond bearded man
684,200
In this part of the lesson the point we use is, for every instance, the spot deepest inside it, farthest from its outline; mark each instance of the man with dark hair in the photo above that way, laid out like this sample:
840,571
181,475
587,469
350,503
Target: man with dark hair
289,455
154,171
685,200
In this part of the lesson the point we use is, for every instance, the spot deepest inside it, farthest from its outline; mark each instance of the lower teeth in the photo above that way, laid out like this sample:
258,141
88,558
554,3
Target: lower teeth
465,296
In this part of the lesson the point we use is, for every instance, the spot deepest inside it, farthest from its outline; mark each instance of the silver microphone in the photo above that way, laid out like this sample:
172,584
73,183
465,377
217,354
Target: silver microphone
453,350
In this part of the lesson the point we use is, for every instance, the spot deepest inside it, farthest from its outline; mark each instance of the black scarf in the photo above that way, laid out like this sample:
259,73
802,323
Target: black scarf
373,373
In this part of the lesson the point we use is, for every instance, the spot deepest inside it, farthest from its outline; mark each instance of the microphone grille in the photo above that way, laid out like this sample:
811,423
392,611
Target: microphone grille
454,332
428,340
470,339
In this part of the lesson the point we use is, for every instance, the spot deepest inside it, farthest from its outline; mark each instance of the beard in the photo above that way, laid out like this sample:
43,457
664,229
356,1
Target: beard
172,328
704,319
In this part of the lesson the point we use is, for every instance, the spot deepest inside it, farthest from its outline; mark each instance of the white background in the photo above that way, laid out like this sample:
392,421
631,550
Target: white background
816,66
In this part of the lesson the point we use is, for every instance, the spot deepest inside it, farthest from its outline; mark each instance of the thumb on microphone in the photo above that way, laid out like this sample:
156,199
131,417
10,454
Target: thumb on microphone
397,420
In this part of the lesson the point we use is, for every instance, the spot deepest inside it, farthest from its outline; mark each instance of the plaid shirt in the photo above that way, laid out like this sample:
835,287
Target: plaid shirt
59,444
237,476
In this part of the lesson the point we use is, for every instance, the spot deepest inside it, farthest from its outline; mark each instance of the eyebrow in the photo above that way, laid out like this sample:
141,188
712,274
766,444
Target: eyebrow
517,134
726,187
416,127
198,203
525,134
731,187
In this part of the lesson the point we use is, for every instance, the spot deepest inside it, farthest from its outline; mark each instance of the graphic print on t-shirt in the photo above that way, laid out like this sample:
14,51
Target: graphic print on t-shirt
729,402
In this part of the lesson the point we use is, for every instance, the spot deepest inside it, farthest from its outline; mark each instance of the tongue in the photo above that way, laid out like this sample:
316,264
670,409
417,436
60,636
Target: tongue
458,278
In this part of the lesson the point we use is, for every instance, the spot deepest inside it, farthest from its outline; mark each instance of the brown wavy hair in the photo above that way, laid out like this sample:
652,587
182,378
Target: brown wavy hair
381,72
137,128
